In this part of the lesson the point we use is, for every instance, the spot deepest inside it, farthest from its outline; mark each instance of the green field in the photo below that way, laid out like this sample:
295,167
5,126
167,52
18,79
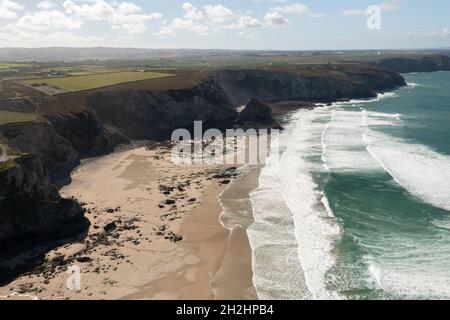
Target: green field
5,66
95,81
17,117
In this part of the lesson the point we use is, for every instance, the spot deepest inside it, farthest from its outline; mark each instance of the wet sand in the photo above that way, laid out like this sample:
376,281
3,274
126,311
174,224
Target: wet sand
155,234
234,279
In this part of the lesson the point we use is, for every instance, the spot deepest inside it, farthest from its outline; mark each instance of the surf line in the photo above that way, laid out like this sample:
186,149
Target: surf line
315,269
324,199
324,145
369,143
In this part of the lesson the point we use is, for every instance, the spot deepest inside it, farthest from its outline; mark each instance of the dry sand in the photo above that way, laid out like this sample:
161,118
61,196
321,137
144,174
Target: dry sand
155,234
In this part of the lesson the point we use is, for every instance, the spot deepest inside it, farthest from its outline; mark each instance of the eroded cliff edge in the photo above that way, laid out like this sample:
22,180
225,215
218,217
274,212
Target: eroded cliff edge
86,124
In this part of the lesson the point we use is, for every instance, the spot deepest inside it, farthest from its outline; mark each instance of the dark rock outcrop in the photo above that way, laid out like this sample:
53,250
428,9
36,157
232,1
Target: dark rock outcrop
31,210
257,113
424,64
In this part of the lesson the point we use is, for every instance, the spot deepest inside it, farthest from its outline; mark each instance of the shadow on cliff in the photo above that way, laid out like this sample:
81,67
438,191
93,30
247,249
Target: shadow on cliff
34,260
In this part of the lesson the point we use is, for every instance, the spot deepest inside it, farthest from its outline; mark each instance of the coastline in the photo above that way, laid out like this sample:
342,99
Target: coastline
155,234
235,277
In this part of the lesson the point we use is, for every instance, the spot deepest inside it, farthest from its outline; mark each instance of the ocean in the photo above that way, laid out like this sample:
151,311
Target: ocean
358,205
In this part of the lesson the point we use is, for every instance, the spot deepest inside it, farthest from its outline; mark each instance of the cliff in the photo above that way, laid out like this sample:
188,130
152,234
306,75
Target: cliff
325,86
154,114
82,125
423,64
31,210
142,114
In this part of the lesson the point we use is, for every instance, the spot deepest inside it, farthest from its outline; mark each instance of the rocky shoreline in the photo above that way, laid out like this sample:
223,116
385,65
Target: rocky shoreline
105,120
142,211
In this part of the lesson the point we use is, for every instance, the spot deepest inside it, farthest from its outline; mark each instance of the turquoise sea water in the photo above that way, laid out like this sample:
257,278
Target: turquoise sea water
363,189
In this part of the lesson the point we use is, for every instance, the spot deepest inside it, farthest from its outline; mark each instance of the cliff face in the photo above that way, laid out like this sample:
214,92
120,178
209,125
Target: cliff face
31,210
62,140
142,114
41,139
270,87
425,64
30,207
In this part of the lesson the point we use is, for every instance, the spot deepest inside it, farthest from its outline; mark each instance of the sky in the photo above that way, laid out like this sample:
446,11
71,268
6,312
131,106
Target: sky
227,24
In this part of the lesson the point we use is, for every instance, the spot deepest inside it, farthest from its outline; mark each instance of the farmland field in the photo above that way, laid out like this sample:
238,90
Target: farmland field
17,117
5,66
95,81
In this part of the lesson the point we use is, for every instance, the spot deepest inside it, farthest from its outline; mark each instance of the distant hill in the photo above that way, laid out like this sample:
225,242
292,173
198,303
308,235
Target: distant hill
104,53
98,53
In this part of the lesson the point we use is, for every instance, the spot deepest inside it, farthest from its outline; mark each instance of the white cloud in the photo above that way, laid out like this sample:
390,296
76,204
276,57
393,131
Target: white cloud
11,5
191,21
129,8
295,8
125,16
8,9
245,22
47,20
180,24
192,13
46,5
200,21
276,16
275,19
219,13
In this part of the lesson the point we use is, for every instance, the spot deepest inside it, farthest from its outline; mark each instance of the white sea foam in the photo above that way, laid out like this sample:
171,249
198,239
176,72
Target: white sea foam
387,95
409,276
344,144
276,266
422,171
377,274
413,84
290,213
315,226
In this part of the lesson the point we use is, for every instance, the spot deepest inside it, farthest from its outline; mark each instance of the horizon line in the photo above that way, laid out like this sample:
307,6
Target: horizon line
227,49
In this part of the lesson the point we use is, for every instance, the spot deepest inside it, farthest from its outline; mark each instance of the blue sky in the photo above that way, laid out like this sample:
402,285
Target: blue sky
227,24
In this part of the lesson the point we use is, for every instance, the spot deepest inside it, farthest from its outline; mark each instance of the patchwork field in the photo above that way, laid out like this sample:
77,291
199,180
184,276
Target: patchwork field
95,81
7,66
17,117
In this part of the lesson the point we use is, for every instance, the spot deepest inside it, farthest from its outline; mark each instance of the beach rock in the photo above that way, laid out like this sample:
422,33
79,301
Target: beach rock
173,237
84,259
110,227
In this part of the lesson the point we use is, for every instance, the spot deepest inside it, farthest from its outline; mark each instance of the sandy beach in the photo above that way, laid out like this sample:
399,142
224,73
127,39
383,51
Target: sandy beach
158,231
